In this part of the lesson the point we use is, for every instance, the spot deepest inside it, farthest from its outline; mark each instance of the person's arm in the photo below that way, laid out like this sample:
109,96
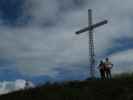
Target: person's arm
112,65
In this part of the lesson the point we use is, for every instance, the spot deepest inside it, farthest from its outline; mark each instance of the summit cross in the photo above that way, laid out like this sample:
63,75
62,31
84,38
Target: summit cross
90,29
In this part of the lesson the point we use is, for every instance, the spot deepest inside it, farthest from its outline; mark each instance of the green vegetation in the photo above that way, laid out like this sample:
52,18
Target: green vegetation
124,76
119,88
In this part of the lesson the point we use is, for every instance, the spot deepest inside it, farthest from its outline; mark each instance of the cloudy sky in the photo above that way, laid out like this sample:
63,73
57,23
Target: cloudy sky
38,41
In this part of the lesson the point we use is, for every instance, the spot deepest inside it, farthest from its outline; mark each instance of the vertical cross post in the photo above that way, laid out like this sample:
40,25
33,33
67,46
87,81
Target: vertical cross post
91,46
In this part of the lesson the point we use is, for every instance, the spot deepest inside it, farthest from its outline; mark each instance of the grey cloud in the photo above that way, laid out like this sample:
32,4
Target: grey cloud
39,50
50,12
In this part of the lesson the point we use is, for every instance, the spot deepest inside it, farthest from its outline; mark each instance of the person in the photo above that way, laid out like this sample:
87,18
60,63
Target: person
26,84
108,67
101,68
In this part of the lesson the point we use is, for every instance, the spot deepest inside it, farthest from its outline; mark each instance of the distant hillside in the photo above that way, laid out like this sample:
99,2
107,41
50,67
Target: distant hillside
116,89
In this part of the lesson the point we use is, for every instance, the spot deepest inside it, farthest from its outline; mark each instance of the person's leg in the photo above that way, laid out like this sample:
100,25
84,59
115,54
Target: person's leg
110,76
107,74
102,75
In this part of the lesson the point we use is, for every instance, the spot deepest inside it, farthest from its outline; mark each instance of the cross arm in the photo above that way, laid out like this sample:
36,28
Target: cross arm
99,24
92,27
83,30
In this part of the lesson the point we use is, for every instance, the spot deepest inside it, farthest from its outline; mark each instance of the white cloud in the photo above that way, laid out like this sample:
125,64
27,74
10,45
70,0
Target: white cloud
122,61
10,86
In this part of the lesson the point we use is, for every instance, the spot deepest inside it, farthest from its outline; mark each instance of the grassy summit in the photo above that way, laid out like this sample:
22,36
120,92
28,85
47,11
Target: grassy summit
116,89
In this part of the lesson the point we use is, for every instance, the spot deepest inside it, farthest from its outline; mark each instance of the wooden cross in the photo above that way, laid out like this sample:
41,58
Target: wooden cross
90,29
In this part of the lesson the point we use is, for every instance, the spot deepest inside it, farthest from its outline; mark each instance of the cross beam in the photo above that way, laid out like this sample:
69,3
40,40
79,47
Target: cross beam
90,29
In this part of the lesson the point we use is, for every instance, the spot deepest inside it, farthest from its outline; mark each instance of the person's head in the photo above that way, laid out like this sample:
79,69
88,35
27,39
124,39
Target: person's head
107,59
101,62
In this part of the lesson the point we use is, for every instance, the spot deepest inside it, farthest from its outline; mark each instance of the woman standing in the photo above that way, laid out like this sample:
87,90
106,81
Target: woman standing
101,68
